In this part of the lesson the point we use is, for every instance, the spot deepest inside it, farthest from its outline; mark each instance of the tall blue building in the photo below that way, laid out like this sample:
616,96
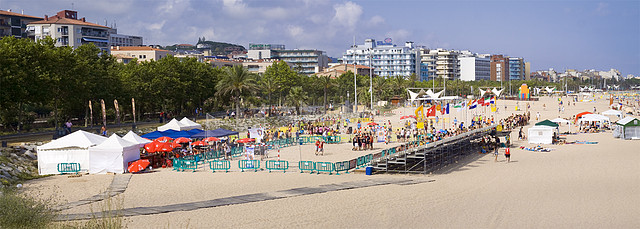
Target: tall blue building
516,68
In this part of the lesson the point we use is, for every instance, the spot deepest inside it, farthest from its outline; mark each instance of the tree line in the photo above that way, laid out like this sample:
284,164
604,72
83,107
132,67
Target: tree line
41,81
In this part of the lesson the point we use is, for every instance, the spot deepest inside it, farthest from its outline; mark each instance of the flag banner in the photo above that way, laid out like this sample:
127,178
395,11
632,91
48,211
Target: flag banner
493,100
473,105
447,109
419,112
104,113
115,104
133,107
431,111
91,112
481,102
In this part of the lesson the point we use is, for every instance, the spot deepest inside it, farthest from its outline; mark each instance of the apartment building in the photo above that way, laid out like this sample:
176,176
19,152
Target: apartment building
124,40
475,68
259,66
337,70
441,63
15,24
142,53
68,30
499,68
386,59
305,61
516,68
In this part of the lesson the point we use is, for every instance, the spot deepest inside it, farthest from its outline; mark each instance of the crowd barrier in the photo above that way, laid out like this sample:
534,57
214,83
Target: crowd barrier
217,165
324,167
249,164
68,168
277,165
306,166
342,167
182,164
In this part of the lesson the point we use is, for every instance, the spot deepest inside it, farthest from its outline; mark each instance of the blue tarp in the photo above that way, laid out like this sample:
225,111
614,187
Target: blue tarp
172,134
215,133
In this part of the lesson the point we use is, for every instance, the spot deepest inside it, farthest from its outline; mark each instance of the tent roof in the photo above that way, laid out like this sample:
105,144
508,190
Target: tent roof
596,116
560,120
628,121
174,124
612,112
547,123
133,137
215,133
541,128
78,139
185,121
115,142
153,135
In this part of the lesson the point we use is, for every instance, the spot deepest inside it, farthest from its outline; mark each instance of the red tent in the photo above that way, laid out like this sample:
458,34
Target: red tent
211,139
199,143
163,139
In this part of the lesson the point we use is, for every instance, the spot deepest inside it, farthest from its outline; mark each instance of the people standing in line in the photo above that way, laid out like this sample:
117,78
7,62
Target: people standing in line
520,134
496,148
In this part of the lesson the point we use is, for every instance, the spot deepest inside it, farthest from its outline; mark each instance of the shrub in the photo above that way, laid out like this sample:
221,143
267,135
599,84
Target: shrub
20,211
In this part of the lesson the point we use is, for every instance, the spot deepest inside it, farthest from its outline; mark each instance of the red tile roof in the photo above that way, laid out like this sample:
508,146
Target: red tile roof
68,21
7,13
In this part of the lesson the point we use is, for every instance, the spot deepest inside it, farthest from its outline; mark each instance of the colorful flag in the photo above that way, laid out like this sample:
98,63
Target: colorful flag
431,111
473,105
447,109
481,101
493,100
420,112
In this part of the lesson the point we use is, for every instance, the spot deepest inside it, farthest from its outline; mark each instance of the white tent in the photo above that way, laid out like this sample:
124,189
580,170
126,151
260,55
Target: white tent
112,155
174,124
190,124
594,118
133,137
541,134
560,120
613,113
73,148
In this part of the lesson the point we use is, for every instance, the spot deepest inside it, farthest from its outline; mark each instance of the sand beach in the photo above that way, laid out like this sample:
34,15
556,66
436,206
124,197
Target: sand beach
572,186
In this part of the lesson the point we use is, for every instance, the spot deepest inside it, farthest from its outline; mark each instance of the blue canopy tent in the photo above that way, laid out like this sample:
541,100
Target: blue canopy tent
215,133
172,134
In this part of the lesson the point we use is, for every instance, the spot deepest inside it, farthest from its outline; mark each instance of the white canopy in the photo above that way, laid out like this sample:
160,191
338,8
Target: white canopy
596,117
73,148
541,134
133,137
174,124
112,155
190,124
560,120
613,113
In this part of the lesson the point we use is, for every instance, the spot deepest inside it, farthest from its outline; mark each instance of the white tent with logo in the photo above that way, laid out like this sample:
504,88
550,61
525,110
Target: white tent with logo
541,134
190,124
133,137
72,148
112,155
174,124
613,113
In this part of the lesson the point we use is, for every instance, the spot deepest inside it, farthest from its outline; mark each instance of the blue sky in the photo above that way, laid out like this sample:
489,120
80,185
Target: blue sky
550,34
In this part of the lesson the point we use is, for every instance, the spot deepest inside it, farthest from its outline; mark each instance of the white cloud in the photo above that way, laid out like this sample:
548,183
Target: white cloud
295,31
602,9
376,20
347,14
399,36
235,7
157,26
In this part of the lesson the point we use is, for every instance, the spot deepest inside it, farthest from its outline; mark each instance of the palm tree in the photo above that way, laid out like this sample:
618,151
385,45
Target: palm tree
236,81
325,82
269,86
297,98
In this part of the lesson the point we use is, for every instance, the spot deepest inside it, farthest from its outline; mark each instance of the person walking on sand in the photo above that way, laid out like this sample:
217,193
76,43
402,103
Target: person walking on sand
507,154
497,147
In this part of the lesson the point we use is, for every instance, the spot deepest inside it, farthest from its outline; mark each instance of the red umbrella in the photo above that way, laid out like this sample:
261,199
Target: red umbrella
246,140
372,124
138,165
182,140
175,145
151,147
407,116
199,143
211,139
163,139
166,147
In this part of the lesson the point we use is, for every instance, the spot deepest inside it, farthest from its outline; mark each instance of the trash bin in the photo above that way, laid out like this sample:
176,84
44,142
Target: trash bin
369,170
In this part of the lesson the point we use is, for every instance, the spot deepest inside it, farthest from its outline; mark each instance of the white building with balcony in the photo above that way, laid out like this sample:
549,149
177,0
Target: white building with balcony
441,63
474,68
386,59
68,30
305,61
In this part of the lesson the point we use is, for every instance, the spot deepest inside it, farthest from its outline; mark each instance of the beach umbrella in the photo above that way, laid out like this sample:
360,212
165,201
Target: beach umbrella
163,139
151,147
166,147
211,139
182,140
246,140
199,143
407,116
372,124
138,165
